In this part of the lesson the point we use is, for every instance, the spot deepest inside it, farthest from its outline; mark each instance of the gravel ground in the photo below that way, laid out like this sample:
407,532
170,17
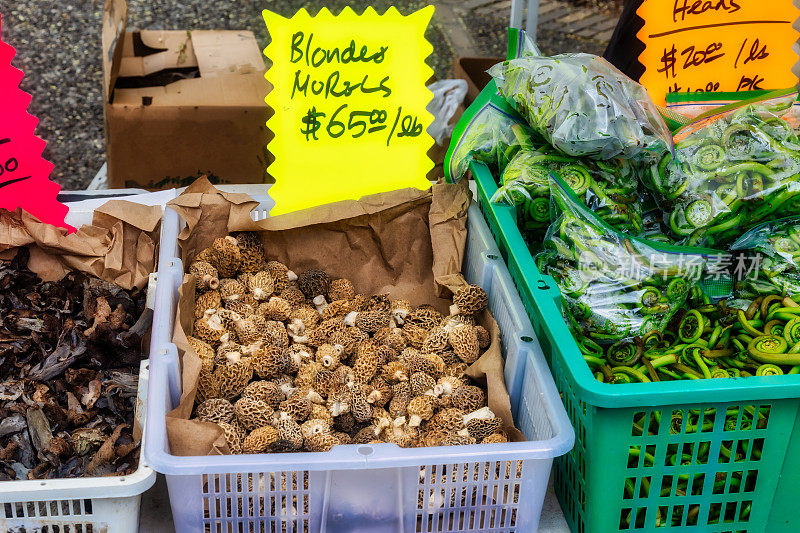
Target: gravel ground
491,37
58,48
612,6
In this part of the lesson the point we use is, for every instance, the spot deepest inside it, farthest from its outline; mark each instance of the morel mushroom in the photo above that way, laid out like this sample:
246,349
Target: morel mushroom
331,366
314,283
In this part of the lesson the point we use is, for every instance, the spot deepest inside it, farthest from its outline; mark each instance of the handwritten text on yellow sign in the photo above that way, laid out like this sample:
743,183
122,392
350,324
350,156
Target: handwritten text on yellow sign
717,45
349,98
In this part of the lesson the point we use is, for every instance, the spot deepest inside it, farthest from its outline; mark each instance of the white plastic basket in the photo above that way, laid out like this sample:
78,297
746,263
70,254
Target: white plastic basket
369,488
85,505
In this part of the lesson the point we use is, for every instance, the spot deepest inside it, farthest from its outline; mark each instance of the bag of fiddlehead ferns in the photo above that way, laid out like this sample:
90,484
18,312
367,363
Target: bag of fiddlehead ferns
773,251
582,105
686,107
608,188
615,288
493,135
733,168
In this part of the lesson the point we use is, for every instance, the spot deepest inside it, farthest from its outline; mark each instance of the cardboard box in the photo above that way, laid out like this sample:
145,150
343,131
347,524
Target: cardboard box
473,70
179,104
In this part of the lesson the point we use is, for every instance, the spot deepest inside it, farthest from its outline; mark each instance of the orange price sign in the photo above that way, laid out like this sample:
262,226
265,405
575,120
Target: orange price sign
717,45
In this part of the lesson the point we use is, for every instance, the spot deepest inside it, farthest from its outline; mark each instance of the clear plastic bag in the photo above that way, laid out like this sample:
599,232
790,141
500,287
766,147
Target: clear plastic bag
731,170
773,253
447,96
608,188
493,136
583,106
614,287
690,106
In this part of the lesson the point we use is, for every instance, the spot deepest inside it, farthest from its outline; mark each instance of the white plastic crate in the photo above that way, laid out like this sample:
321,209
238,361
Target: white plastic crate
85,505
369,488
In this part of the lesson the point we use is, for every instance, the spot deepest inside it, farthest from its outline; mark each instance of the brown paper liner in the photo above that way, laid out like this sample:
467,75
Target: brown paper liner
407,243
119,246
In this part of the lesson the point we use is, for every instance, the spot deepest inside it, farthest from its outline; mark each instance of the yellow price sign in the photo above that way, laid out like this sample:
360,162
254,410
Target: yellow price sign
717,45
350,105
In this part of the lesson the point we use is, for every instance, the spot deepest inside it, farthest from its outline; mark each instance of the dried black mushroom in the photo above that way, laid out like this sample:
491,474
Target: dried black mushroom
69,368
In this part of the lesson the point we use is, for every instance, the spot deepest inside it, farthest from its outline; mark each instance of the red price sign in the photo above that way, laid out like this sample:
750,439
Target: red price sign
24,174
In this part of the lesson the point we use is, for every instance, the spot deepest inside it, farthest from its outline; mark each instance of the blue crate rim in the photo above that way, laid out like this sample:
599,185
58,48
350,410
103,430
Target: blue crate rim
735,390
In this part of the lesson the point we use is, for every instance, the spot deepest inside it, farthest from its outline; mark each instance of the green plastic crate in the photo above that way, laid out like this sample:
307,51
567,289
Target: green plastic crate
590,481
